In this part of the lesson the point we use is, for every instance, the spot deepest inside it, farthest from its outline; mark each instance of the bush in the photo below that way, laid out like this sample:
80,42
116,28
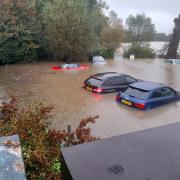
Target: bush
40,145
140,51
17,47
106,53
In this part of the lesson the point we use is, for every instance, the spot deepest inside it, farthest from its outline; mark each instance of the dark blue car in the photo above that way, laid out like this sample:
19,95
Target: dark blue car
147,95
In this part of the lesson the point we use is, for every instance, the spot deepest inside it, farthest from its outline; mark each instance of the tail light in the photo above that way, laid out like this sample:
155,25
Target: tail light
141,106
98,90
84,84
118,98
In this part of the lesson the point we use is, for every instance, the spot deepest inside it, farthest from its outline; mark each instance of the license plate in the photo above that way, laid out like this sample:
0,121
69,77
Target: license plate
89,88
126,102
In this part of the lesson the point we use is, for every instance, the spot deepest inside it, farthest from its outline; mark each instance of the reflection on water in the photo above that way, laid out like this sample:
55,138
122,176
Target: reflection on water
63,90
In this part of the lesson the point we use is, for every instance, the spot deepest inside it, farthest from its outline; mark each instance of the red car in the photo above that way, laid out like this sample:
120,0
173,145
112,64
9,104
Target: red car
71,67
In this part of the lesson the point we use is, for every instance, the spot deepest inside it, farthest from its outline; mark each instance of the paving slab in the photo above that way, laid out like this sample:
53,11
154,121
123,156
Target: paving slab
11,161
152,154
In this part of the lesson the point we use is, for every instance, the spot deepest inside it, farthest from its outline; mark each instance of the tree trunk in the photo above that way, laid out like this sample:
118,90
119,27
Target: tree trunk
173,46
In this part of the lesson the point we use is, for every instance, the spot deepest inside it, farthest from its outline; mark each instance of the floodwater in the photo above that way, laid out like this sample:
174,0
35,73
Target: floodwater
62,89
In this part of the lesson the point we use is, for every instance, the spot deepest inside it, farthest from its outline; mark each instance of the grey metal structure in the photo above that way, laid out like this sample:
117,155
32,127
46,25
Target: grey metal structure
152,154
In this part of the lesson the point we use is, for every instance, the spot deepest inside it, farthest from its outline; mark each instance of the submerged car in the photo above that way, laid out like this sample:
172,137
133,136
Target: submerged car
172,61
108,82
71,67
147,95
98,60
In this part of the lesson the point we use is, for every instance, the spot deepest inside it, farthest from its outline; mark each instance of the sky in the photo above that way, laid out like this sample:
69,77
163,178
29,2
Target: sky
162,12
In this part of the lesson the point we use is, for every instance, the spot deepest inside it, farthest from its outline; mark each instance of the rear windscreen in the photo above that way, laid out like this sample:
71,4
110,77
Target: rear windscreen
94,82
137,93
177,61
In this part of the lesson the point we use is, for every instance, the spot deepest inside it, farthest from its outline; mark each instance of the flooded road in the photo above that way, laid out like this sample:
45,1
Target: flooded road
62,89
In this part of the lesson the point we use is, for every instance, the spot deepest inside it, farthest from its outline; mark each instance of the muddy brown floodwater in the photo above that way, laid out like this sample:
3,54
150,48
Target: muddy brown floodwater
62,89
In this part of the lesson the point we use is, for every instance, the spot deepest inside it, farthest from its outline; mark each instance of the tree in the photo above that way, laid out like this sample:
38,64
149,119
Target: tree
73,30
91,3
161,37
112,34
139,28
142,50
17,26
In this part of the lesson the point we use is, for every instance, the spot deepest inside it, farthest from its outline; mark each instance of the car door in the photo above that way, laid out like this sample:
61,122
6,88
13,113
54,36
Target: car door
109,85
115,84
123,82
162,96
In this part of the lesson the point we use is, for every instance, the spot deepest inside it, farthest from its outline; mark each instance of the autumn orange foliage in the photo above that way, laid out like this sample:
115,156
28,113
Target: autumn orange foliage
40,145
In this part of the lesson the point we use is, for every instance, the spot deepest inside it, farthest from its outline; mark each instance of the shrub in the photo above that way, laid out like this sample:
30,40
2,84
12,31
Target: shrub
40,145
17,47
106,53
140,51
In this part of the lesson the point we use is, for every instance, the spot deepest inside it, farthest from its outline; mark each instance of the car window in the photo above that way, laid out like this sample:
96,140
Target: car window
109,82
72,65
170,61
130,80
94,82
115,81
98,59
163,92
177,61
137,93
65,65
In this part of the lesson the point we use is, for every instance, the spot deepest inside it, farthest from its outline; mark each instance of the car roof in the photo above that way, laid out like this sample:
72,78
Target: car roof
147,85
70,64
107,75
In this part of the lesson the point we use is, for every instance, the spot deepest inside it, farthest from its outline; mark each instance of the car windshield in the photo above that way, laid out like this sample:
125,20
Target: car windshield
64,65
73,65
137,93
94,82
173,61
177,61
98,59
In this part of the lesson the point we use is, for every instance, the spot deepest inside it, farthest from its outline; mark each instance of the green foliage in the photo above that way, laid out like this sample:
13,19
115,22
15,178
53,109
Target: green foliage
17,27
106,53
91,4
17,47
139,28
40,144
65,29
140,51
162,37
72,30
56,166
